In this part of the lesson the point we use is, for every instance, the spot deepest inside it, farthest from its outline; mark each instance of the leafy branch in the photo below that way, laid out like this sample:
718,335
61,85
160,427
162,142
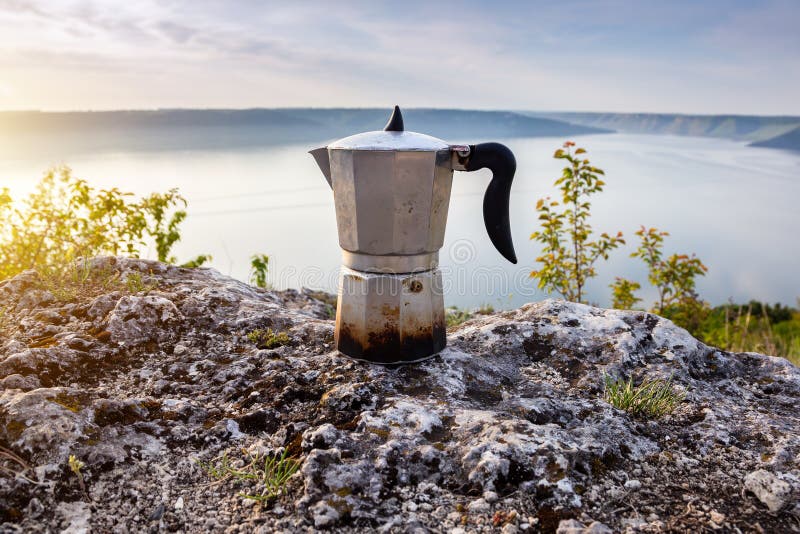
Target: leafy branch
569,255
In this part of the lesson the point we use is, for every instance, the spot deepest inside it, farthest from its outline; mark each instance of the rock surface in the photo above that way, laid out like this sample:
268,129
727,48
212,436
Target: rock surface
504,431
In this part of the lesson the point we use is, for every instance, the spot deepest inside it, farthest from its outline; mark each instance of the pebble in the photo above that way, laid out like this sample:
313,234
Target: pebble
478,506
633,485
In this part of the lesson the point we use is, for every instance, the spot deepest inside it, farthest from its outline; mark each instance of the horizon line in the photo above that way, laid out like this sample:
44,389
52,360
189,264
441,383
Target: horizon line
364,108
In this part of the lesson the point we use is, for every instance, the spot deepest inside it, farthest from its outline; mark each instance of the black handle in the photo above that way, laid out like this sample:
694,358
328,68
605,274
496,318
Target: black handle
500,160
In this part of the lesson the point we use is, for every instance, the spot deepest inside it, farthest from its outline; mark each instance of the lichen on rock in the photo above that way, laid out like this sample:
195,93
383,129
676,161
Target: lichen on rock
506,430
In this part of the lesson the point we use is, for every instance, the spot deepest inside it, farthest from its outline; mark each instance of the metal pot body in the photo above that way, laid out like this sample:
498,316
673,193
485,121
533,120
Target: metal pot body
391,203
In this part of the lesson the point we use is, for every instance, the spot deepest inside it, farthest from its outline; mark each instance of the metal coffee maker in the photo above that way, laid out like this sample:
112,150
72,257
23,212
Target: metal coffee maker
391,189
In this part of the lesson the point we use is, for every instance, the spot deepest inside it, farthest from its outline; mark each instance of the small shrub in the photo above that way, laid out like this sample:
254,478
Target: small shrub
65,218
652,398
267,339
197,261
270,473
674,277
623,294
259,266
568,253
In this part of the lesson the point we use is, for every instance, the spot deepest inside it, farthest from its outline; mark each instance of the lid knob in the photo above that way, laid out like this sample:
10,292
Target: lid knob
395,123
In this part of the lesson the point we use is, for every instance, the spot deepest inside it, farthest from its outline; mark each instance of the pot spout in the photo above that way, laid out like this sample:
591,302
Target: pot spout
323,160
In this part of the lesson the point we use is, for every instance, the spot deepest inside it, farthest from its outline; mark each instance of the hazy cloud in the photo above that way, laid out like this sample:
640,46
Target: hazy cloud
718,56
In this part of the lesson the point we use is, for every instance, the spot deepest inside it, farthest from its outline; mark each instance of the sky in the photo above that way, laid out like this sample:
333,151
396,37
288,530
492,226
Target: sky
676,56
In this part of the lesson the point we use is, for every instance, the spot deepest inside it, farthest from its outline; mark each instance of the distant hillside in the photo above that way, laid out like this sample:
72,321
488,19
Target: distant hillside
61,133
739,127
788,141
449,124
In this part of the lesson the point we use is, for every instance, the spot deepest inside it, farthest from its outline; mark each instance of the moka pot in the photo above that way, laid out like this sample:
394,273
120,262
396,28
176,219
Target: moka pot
391,190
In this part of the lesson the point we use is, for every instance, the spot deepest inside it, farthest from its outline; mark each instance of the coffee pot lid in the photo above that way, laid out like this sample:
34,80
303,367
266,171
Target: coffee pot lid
392,137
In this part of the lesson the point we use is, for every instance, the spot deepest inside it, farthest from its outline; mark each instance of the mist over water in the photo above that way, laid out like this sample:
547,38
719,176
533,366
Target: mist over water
733,205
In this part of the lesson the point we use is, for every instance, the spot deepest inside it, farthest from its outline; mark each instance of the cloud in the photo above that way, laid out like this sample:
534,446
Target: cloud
177,33
610,55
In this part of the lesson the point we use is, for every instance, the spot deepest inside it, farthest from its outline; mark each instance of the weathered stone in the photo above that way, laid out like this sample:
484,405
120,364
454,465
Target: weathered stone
770,490
573,526
150,389
135,320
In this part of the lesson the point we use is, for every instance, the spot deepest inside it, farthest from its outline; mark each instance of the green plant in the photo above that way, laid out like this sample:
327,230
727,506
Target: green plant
651,398
197,261
454,316
485,309
568,254
77,278
75,466
134,283
754,327
65,218
161,223
259,266
623,295
674,277
267,339
271,473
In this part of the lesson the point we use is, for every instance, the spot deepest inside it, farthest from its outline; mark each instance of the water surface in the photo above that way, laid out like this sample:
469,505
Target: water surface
735,206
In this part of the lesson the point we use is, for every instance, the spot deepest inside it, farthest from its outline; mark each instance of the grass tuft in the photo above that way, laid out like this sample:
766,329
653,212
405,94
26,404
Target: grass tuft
651,398
78,279
454,316
134,283
267,338
270,473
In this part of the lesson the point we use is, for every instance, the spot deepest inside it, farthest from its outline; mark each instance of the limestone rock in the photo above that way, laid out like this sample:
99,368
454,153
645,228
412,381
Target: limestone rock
138,319
505,430
770,490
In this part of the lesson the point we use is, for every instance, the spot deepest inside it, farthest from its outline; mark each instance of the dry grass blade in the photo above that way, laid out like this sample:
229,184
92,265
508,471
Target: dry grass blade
14,466
6,454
